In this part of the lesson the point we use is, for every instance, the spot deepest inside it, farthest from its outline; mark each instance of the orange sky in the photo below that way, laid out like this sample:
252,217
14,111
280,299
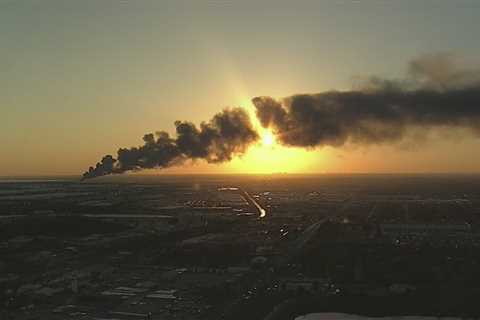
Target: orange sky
81,79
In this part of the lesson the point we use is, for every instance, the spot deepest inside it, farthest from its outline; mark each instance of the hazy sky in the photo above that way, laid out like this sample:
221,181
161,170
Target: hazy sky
79,79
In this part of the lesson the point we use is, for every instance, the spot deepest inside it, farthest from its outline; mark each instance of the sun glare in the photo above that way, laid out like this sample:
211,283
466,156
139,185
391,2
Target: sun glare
268,139
268,156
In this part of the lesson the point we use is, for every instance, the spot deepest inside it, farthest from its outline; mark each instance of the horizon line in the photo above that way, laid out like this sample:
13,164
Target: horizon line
249,174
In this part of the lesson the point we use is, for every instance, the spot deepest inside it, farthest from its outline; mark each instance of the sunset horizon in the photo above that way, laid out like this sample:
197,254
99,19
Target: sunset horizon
73,95
239,160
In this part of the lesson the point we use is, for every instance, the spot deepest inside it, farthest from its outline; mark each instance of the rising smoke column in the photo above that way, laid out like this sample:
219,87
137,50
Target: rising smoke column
436,94
227,134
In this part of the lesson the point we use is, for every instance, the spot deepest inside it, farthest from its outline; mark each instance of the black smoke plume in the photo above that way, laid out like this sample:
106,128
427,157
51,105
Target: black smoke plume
227,134
436,94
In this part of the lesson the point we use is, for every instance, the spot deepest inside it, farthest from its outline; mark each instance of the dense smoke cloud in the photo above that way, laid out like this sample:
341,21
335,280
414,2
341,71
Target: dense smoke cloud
228,133
436,94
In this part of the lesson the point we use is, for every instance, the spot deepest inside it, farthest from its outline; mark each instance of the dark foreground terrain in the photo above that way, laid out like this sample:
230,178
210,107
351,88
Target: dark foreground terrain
239,247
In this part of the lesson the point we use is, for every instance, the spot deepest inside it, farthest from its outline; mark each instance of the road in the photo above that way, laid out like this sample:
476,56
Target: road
261,211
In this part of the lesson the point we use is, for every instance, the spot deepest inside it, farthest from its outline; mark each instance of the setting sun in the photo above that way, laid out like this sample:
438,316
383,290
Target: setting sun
268,156
268,139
